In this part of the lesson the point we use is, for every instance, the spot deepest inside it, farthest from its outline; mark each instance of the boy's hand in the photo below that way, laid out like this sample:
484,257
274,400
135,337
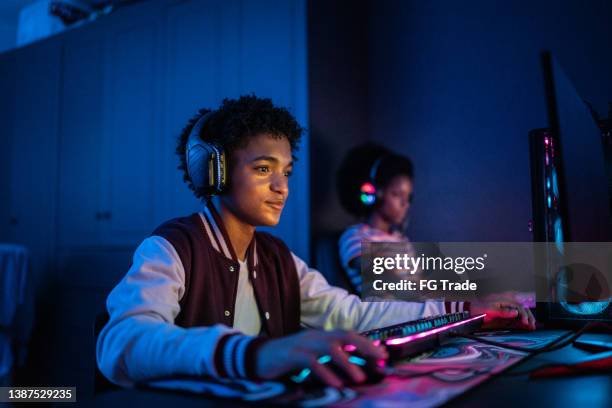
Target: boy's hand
504,314
289,354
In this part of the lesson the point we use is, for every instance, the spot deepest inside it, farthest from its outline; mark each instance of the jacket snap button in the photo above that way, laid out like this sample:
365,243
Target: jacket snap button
254,274
267,316
231,269
227,312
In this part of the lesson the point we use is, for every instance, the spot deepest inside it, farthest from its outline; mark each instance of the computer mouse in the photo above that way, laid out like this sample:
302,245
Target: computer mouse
374,372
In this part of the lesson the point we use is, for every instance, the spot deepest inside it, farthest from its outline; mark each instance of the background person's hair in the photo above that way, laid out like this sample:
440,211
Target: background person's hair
234,123
355,170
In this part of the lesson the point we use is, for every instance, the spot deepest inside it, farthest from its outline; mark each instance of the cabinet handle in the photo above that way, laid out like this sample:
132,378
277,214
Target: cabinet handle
103,215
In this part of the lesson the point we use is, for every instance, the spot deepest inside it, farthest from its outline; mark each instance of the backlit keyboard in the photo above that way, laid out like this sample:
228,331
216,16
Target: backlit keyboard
417,336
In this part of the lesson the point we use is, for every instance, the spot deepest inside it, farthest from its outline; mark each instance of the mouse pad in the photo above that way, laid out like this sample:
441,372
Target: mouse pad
428,380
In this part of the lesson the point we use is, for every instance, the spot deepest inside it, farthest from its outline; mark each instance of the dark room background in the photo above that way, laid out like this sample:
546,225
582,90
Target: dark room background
454,85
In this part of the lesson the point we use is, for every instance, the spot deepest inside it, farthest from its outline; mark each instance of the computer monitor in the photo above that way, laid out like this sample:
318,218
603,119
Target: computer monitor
572,201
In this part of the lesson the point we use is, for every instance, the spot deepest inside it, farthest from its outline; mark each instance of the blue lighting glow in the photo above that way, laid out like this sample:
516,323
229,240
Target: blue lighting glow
367,198
555,185
585,308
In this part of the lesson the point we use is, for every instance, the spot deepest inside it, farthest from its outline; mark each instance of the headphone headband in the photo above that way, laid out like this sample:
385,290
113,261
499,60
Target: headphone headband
374,169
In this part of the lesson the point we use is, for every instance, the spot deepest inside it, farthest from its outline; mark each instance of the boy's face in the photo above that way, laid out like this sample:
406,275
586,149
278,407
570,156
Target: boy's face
259,180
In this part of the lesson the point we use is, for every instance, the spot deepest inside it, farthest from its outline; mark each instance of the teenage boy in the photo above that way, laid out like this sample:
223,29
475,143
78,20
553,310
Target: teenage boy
207,294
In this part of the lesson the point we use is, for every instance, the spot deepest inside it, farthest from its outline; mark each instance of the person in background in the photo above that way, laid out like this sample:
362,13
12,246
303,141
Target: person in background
376,186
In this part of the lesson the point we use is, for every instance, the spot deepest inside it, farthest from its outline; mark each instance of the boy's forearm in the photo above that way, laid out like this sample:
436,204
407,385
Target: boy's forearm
142,348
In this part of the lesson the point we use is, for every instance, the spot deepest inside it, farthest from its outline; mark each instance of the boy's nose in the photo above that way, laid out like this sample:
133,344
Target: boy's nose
280,184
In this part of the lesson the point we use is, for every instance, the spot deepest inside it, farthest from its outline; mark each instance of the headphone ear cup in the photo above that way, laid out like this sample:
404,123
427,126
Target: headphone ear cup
206,162
198,166
367,194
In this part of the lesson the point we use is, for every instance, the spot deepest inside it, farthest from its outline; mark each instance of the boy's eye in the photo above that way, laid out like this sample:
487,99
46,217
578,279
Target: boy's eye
262,169
288,173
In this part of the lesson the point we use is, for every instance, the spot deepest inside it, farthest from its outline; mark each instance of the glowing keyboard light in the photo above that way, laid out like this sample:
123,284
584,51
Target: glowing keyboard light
402,340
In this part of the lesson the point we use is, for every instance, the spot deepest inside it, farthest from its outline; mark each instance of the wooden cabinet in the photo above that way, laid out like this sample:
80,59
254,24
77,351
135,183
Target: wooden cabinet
7,96
33,154
110,139
131,130
80,155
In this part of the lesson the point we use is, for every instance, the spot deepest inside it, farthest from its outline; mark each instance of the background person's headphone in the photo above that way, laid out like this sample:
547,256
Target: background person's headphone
206,162
368,190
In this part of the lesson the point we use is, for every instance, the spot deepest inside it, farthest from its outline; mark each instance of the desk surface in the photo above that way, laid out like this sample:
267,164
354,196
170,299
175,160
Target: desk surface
510,388
514,387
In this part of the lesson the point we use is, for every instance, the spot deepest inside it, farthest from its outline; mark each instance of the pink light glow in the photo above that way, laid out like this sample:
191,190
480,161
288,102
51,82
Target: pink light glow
402,340
368,188
352,347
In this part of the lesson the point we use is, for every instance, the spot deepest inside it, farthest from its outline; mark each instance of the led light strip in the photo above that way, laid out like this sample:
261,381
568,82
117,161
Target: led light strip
403,340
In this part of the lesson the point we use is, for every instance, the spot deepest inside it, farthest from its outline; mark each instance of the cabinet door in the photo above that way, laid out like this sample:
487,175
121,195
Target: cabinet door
33,153
80,212
7,104
131,130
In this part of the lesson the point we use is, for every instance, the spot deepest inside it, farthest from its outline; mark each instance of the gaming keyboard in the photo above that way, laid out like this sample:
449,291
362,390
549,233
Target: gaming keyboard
403,340
417,336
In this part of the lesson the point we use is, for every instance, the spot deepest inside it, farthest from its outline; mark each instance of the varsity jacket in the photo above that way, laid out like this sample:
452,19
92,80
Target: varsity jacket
172,313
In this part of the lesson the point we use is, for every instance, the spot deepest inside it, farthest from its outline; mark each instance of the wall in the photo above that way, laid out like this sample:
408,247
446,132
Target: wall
338,105
458,85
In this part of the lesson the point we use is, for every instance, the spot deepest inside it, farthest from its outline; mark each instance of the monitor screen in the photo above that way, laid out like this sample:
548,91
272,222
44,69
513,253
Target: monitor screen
585,197
571,197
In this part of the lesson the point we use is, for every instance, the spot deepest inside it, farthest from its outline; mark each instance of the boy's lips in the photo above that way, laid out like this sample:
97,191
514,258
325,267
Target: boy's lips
276,204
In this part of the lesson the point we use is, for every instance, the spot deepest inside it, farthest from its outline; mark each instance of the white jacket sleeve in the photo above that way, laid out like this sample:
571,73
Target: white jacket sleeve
141,342
329,307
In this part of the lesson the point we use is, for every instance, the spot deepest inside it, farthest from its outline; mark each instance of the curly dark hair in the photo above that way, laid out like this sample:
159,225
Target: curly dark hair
355,169
234,123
